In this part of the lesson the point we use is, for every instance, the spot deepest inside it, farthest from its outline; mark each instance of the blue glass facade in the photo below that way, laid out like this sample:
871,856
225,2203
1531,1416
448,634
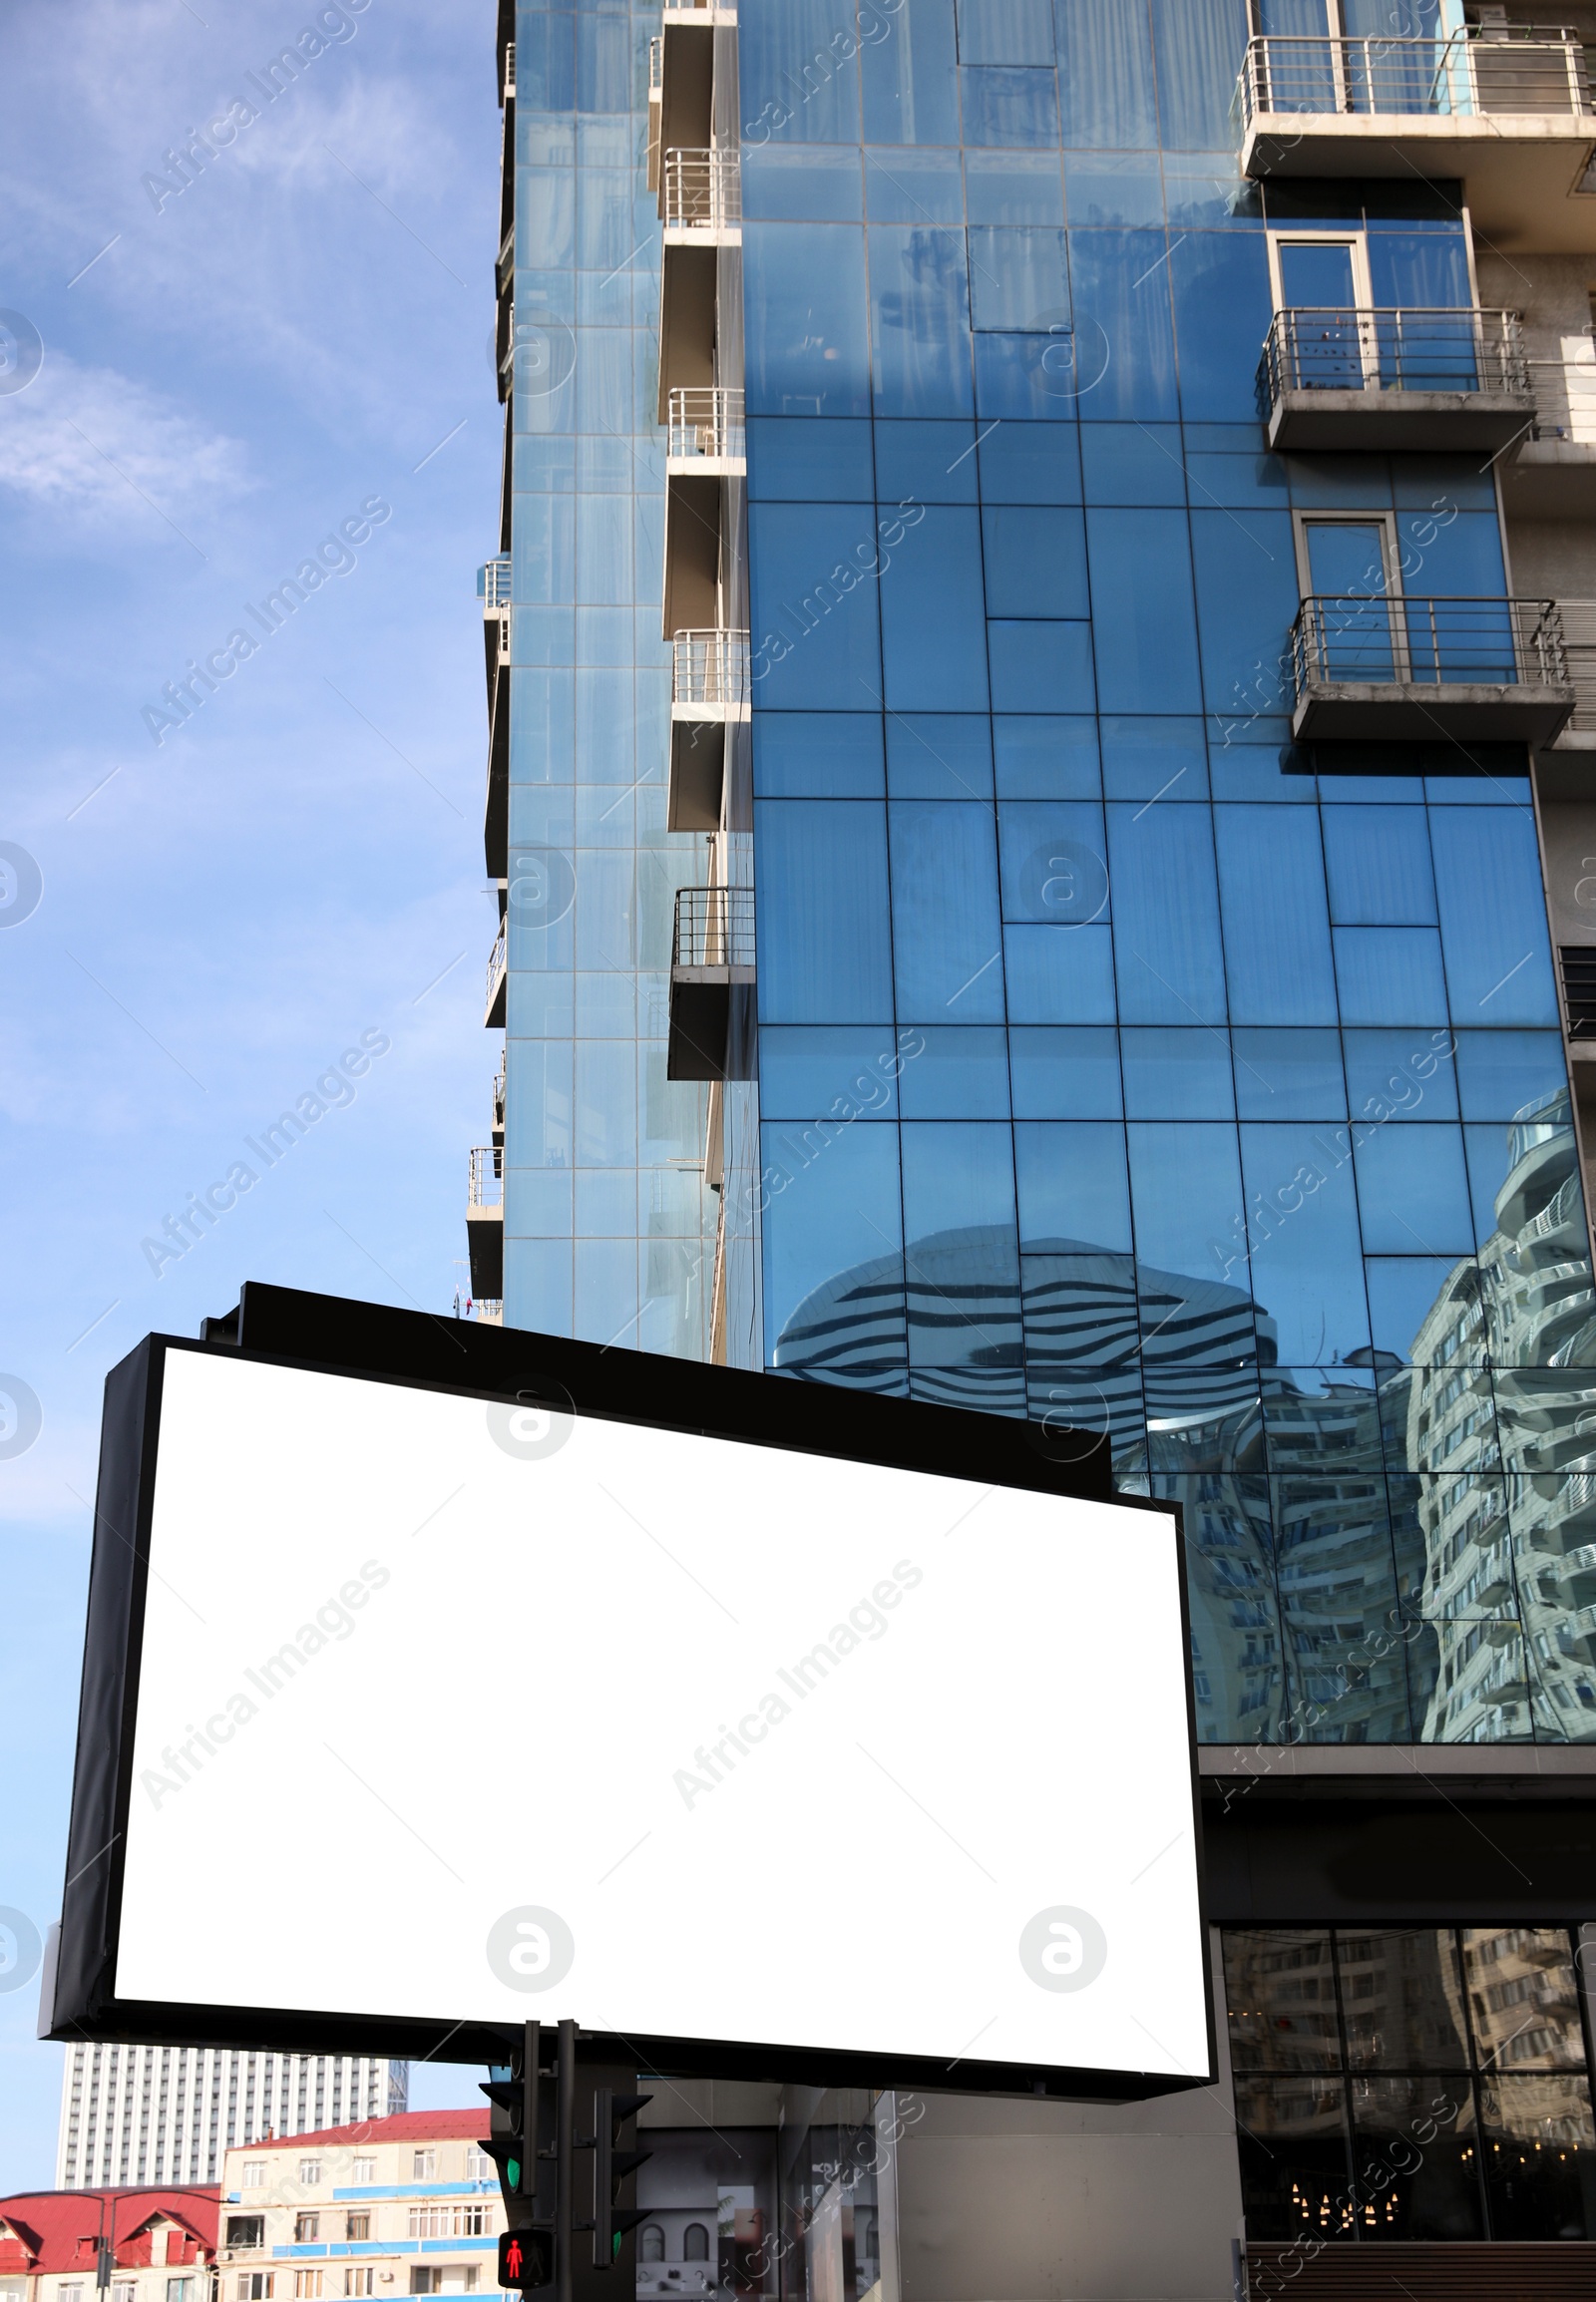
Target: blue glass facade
1115,1067
604,1195
1121,1063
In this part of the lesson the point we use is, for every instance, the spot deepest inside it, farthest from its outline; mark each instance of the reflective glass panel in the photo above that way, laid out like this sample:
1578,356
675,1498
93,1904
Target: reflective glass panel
1403,1995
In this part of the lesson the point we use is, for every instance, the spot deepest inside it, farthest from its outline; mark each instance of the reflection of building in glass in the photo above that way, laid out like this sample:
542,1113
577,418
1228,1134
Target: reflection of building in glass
1509,1524
1411,2084
760,2191
1281,1472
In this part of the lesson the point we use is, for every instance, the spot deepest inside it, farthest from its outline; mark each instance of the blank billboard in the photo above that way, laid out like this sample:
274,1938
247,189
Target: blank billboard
467,1710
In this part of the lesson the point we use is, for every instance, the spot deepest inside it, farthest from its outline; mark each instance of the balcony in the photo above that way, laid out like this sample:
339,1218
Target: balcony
709,689
709,676
711,980
493,590
681,81
656,90
1416,671
1578,618
484,1221
1508,108
498,978
701,193
706,453
700,202
706,432
1553,473
1394,380
509,96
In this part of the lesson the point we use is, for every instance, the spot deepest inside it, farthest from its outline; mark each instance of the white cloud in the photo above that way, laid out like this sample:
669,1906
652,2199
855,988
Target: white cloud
90,442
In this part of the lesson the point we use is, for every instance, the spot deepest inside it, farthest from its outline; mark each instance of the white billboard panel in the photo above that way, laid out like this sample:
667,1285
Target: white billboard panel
488,1712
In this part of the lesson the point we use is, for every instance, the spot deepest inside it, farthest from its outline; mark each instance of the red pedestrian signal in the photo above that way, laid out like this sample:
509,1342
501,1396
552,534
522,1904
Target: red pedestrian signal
525,2264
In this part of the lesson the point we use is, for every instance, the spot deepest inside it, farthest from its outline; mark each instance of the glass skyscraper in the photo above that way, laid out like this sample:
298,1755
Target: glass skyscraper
1040,674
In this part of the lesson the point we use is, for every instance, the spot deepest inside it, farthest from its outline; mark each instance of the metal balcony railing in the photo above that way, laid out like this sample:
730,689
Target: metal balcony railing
1356,642
1565,393
498,1092
714,928
1483,70
509,69
493,585
1579,646
709,667
497,963
656,65
486,1187
702,190
706,420
1395,350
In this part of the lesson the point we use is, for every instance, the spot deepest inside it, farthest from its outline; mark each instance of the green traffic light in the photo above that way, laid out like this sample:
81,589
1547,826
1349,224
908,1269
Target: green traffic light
512,2172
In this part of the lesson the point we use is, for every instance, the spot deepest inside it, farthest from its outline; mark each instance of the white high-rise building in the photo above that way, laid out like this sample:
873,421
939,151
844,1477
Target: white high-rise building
147,2114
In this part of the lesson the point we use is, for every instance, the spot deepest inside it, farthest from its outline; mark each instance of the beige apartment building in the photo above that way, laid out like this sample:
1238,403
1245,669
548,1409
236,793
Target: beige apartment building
362,2213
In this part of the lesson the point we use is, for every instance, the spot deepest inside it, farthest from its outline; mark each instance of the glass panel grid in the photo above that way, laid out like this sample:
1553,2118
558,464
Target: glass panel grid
1373,2101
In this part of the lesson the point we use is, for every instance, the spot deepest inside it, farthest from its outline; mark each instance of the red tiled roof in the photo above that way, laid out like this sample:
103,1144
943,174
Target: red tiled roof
469,2124
56,2232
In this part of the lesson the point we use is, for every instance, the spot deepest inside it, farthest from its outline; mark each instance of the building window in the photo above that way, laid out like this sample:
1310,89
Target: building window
651,2244
69,2294
247,2231
363,2170
124,2290
479,2166
358,2281
1444,2066
424,2166
256,2285
357,2227
695,2244
180,2290
426,2282
306,2229
447,2221
310,2173
254,2174
308,2285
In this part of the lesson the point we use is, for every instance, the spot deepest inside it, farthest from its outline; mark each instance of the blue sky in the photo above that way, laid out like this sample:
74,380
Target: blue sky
225,913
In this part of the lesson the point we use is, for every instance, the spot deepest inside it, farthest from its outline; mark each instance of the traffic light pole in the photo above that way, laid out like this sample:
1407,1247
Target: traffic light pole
541,2119
566,2144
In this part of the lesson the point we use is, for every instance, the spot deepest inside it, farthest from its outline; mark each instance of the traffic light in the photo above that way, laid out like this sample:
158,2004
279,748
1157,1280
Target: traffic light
611,2167
524,2146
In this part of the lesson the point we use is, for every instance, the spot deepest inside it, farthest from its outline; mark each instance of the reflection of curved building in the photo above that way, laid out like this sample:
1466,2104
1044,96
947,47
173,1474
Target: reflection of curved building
1376,1552
1501,1434
1287,1529
957,1318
